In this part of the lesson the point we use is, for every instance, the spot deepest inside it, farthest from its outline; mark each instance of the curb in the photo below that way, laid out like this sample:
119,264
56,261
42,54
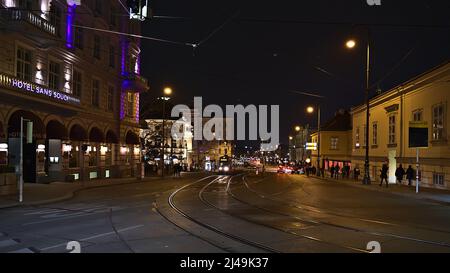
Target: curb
445,203
73,193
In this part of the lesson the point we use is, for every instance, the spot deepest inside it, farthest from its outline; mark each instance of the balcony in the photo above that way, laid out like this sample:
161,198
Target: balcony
31,18
135,83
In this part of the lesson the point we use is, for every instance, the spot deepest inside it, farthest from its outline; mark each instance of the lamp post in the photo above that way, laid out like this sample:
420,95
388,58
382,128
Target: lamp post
351,44
167,92
311,110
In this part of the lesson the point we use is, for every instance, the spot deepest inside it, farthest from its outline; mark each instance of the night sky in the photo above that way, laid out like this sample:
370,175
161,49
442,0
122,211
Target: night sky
268,48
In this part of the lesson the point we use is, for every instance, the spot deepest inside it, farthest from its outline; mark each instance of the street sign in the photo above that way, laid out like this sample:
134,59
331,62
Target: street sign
418,134
311,146
418,138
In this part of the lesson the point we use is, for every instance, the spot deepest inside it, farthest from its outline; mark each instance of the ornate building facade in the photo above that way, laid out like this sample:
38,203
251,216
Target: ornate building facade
79,85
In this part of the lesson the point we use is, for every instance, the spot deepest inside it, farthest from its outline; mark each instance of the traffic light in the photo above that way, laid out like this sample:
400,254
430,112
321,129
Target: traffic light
138,9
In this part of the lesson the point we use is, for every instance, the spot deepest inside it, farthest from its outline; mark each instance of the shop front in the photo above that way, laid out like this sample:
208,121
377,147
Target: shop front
342,164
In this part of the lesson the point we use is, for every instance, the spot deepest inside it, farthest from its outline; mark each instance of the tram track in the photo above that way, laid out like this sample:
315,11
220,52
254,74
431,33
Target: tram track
201,196
321,211
187,216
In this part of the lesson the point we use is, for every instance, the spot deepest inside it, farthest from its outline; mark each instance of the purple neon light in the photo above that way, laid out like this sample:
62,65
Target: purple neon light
69,32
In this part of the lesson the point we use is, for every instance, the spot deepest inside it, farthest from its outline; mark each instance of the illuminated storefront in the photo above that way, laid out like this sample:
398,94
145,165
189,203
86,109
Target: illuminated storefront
83,103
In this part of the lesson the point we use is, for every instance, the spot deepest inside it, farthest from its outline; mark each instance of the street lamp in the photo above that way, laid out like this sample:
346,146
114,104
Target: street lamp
350,45
167,93
298,128
311,110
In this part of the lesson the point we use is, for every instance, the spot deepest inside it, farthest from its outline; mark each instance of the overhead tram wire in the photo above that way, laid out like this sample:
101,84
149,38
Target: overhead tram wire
125,8
287,21
136,36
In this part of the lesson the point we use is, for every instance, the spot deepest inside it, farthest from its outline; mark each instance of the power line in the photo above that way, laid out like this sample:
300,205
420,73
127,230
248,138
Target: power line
124,7
218,28
136,36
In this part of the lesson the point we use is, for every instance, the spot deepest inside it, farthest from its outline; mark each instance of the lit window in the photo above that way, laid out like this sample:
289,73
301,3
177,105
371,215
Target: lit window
334,142
438,122
392,130
54,75
23,64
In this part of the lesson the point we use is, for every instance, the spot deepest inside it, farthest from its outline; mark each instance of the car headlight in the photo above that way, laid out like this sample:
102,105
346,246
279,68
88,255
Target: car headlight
220,168
226,169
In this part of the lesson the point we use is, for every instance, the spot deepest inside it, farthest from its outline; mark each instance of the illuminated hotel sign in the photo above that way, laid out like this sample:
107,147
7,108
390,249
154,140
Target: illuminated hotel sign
11,82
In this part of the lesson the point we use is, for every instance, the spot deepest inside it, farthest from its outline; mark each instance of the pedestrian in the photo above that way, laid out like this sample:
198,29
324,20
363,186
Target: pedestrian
410,175
384,175
336,172
399,173
347,172
332,171
356,173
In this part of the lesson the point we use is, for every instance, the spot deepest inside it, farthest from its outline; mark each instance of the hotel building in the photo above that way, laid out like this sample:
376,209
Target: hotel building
79,87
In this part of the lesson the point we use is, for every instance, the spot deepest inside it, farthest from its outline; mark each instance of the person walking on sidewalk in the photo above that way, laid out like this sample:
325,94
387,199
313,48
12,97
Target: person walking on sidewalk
384,175
336,170
332,171
399,173
356,173
410,175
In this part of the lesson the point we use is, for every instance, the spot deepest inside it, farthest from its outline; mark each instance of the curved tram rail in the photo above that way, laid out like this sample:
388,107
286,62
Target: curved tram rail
209,226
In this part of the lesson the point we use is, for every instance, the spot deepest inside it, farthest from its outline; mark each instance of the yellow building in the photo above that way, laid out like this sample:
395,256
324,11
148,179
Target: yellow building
424,98
335,142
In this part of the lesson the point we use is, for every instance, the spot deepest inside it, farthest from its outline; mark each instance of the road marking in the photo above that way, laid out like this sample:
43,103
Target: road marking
23,250
95,236
7,243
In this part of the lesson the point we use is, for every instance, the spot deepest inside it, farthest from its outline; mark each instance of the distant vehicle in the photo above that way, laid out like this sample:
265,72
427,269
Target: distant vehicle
285,169
225,165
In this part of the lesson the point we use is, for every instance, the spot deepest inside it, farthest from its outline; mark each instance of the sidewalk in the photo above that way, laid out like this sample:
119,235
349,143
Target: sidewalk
38,194
429,194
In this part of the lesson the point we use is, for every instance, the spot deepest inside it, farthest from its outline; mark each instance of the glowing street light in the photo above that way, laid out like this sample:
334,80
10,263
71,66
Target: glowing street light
298,128
350,44
310,110
168,91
